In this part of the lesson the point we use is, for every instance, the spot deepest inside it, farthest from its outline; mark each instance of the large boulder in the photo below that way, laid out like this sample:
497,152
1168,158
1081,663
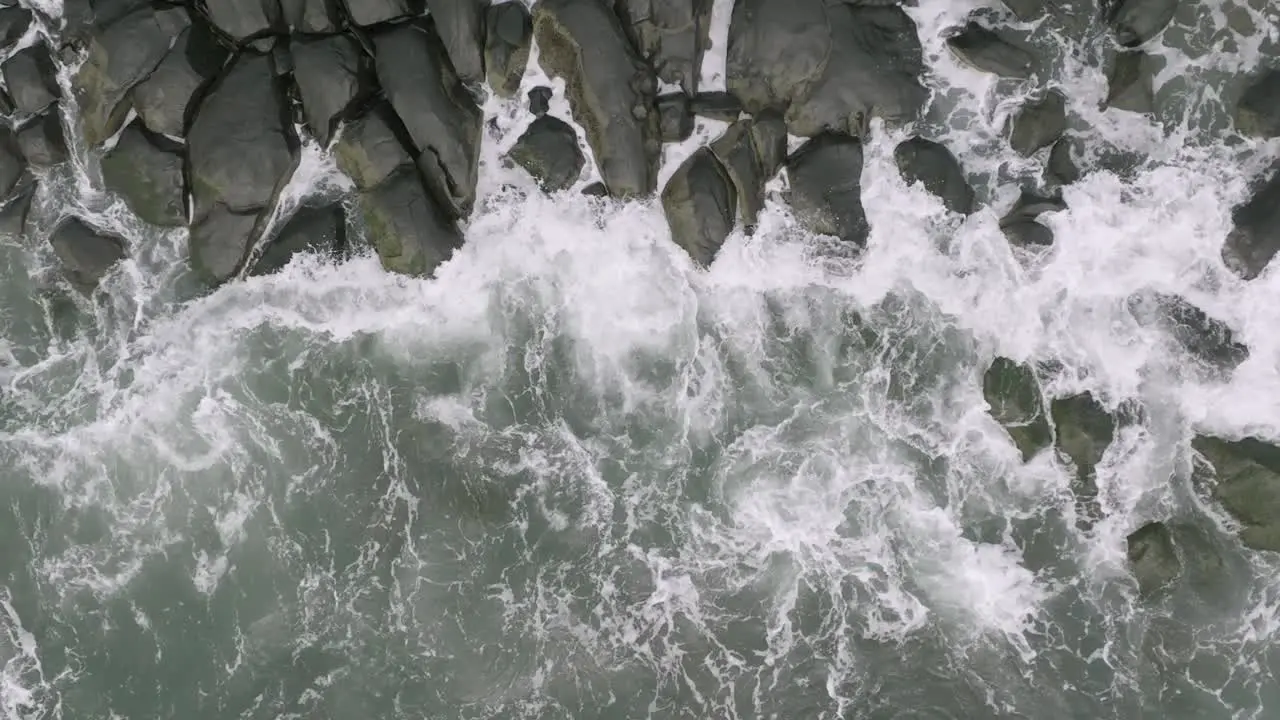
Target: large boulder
1020,225
1062,168
1014,400
31,79
146,170
1248,485
42,141
1255,235
372,12
244,20
751,151
1258,113
610,89
313,228
1136,21
311,17
406,226
700,203
1153,558
164,99
1130,83
826,187
333,74
370,148
86,254
508,37
675,121
460,24
14,21
241,151
14,211
716,105
439,114
13,165
672,36
1084,432
1038,123
989,51
931,164
1206,339
549,151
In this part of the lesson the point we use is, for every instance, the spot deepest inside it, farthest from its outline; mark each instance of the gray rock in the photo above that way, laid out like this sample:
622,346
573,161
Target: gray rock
146,170
1153,559
1258,113
41,140
610,90
319,229
675,121
750,151
596,189
311,17
14,21
13,213
1136,21
540,101
31,78
826,187
1255,235
460,24
83,17
775,47
1084,432
410,231
1061,168
370,149
1209,340
441,117
716,105
989,51
1013,395
672,36
1019,224
700,204
1248,486
932,165
220,241
1038,123
1027,234
13,166
164,99
372,12
85,253
549,151
333,74
6,103
243,20
508,37
1129,84
121,55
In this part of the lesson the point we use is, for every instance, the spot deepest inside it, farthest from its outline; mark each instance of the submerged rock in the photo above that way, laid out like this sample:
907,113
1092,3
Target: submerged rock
987,50
333,74
1136,21
460,24
671,35
750,151
1248,486
932,165
1130,83
1258,113
31,79
1084,432
41,140
164,99
610,89
1061,168
675,121
409,230
1207,339
1011,391
86,254
1153,559
13,166
508,37
549,151
700,204
826,187
146,170
1255,235
320,229
1038,123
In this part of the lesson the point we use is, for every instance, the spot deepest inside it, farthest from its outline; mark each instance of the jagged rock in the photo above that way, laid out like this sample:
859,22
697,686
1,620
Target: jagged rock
750,152
826,187
441,117
6,103
1205,338
549,151
406,226
1248,485
41,140
85,253
1038,123
1130,83
700,204
932,164
311,17
1062,168
716,105
1153,558
460,24
832,66
1258,113
120,56
540,101
14,21
244,20
672,35
1084,431
1019,224
508,36
333,74
1136,21
320,229
1013,395
163,100
675,122
146,170
13,166
31,78
1255,235
610,90
241,152
13,213
988,51
371,12
369,149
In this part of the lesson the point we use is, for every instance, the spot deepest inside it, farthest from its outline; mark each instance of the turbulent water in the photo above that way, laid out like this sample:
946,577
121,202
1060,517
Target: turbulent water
575,477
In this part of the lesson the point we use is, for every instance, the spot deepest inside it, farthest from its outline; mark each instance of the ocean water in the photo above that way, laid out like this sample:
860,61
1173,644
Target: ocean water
573,476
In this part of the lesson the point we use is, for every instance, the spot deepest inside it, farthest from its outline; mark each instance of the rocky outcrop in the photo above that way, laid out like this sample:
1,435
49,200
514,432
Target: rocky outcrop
313,228
1084,432
700,204
1258,113
244,20
311,17
716,105
549,151
86,254
1208,340
675,121
508,37
988,51
932,165
672,36
460,24
1247,474
165,98
1153,559
146,170
610,89
333,74
1013,396
31,79
370,148
751,151
1130,82
1038,123
372,12
13,166
41,140
1255,235
14,21
826,187
1136,21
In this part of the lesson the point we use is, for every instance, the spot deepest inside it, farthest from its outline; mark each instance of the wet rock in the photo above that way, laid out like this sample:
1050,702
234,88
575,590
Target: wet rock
1130,83
672,36
1255,235
311,17
675,121
508,36
716,105
610,90
370,149
1248,485
1062,168
333,74
146,170
540,101
371,12
1136,21
750,151
319,229
1026,10
596,189
700,204
549,151
13,213
987,50
1258,113
241,151
1027,233
1153,559
85,253
164,99
826,187
31,78
120,56
14,21
460,24
1084,432
1038,123
244,20
41,140
1013,394
410,231
932,164
438,113
13,166
1019,224
1207,339
6,103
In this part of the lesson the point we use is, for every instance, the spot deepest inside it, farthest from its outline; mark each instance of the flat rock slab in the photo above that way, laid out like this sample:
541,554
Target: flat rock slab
826,187
85,253
164,99
370,149
146,170
333,74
